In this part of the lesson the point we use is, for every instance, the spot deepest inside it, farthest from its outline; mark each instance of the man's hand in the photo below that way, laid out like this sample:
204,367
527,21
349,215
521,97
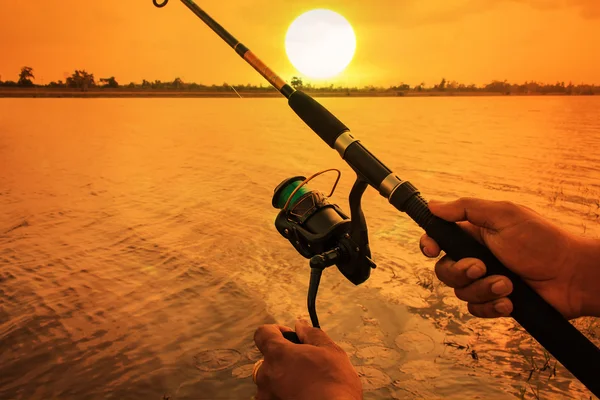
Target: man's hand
556,264
318,369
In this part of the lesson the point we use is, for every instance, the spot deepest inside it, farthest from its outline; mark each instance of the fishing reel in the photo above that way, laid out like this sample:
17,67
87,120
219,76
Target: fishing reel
323,233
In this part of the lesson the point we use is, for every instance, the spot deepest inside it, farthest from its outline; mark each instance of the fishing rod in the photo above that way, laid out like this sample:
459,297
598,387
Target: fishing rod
321,232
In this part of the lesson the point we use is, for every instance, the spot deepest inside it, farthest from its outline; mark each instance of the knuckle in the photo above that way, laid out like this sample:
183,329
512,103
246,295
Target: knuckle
274,350
502,307
483,291
442,273
461,294
466,200
475,293
258,333
438,269
479,264
510,207
444,263
456,276
506,204
482,310
488,311
473,309
470,261
509,286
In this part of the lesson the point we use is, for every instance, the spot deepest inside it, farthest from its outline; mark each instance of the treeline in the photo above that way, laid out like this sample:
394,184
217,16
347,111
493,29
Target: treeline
83,80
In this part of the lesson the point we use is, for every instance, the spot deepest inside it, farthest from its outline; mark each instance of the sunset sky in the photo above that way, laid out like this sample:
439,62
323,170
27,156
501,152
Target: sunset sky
471,41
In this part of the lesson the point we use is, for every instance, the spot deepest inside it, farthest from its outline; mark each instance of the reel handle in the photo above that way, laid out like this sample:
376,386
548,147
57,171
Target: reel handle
292,337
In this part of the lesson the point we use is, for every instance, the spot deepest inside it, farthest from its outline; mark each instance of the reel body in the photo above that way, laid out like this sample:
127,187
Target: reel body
320,231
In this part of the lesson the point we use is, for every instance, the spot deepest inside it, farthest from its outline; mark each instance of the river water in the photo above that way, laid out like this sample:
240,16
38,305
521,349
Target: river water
138,251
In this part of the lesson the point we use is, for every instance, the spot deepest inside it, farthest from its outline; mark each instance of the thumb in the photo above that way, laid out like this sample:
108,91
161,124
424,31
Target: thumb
310,335
269,339
487,214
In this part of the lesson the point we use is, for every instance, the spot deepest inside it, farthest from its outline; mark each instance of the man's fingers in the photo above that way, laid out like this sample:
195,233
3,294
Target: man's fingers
429,247
485,290
461,273
493,215
493,309
315,336
269,338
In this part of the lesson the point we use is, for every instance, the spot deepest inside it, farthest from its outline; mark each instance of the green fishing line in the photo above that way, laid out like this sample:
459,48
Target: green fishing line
287,191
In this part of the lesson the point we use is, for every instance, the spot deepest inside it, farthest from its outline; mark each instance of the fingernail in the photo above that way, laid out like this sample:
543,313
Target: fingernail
303,322
427,252
499,287
475,271
501,307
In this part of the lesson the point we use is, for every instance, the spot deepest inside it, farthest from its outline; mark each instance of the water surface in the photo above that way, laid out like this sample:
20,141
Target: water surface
138,252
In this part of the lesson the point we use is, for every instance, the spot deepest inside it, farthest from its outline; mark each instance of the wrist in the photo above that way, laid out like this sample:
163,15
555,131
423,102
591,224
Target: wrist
588,270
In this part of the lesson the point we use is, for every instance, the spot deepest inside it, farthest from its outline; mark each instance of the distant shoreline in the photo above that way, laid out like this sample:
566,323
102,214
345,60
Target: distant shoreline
149,93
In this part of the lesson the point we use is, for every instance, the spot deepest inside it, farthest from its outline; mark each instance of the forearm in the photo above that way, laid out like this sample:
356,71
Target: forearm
589,265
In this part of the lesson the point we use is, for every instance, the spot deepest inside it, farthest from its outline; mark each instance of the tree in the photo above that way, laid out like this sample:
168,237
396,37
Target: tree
497,86
109,82
26,73
569,89
401,86
452,85
296,82
56,84
81,80
442,85
177,83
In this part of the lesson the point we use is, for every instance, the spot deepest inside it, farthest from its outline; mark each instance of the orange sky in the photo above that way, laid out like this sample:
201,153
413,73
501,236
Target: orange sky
471,41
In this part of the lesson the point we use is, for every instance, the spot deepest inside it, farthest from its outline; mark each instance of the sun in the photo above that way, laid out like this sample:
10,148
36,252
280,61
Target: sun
320,43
